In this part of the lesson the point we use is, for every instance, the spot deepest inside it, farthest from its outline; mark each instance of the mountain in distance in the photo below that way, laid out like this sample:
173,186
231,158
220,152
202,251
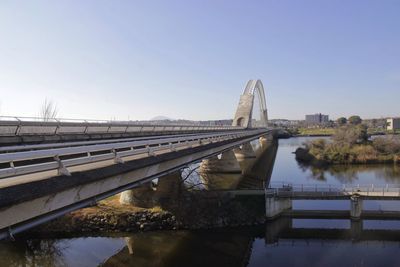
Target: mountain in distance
161,118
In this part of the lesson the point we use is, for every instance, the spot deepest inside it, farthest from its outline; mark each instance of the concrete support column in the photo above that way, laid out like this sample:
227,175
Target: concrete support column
275,206
129,243
356,228
245,156
168,189
265,140
141,196
246,151
275,228
356,207
226,164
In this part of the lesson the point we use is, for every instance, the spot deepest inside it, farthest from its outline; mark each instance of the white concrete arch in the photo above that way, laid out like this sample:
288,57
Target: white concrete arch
243,115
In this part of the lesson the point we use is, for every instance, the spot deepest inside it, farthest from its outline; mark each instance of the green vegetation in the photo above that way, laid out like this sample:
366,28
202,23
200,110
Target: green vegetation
316,131
350,145
355,120
341,121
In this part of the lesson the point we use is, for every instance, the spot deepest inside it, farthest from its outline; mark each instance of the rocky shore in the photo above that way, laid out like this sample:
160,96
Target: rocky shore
111,216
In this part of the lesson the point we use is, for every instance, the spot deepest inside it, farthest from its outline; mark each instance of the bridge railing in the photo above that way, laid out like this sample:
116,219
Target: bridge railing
18,126
25,162
289,189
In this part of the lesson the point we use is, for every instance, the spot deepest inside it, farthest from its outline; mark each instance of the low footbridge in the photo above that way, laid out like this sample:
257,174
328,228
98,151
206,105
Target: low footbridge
51,167
279,197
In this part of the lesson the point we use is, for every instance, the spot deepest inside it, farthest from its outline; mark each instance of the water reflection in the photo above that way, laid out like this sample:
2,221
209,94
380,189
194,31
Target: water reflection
350,174
32,253
184,248
288,169
314,242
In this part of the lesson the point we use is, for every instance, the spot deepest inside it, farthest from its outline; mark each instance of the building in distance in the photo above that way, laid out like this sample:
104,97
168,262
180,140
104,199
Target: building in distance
393,124
317,119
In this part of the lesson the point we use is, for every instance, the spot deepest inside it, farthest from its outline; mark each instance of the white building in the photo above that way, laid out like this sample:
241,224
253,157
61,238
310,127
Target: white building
393,124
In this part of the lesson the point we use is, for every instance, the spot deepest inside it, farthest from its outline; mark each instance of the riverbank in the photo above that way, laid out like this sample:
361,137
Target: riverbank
196,212
321,153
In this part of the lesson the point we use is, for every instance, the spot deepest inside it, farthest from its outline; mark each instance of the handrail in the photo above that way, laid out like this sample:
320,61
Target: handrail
53,121
19,126
25,162
82,143
284,188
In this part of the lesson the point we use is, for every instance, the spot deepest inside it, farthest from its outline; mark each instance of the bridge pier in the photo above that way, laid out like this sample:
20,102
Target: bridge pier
356,207
275,206
148,196
246,151
356,229
246,156
141,196
275,228
129,244
227,163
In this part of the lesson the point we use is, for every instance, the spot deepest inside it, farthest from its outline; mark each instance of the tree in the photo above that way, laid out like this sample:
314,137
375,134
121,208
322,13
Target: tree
48,110
351,135
341,121
355,120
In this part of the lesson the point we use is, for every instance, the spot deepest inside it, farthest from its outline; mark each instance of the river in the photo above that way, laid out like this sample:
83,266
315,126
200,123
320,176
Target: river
284,242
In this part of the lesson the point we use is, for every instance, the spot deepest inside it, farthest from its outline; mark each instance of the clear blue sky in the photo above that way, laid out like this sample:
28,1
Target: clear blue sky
191,59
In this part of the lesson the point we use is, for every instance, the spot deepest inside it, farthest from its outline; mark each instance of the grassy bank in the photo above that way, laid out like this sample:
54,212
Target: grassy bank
351,145
316,131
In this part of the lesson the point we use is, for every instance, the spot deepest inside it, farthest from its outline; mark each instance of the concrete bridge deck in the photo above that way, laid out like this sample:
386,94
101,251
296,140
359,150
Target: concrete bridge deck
41,184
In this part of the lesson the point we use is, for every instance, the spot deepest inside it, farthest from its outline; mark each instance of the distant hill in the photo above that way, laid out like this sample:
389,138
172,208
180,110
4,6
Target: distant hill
161,118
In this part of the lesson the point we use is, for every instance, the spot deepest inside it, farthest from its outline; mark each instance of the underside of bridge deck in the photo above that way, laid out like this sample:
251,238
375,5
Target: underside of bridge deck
28,204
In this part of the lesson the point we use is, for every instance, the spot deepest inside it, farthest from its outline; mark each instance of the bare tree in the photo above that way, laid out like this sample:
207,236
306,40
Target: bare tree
48,110
191,178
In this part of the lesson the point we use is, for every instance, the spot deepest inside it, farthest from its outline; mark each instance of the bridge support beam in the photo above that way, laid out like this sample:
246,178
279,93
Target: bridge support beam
245,152
226,164
275,206
148,196
356,228
246,156
356,207
141,196
275,228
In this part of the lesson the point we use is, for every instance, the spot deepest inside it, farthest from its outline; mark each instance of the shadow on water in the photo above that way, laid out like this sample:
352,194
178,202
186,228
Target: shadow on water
33,252
284,242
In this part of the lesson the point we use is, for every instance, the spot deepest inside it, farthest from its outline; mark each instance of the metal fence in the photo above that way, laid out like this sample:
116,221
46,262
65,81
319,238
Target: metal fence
289,189
18,126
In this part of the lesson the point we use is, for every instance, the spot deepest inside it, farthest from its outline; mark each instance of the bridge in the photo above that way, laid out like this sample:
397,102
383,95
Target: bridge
50,167
279,197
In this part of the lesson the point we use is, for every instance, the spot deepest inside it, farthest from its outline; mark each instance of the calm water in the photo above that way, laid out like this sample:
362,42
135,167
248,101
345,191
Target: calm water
285,242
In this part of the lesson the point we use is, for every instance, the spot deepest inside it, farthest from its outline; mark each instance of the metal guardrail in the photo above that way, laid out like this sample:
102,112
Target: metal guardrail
289,189
15,148
25,162
18,126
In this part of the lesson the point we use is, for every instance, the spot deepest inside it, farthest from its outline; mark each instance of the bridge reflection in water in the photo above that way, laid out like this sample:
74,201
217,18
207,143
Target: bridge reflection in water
270,245
248,246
